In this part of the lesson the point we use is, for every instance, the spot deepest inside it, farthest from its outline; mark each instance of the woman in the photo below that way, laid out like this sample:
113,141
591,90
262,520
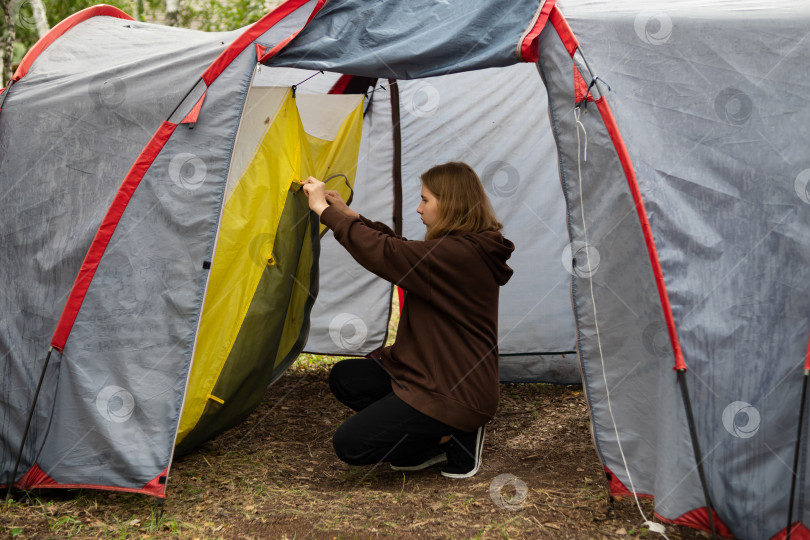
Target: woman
427,399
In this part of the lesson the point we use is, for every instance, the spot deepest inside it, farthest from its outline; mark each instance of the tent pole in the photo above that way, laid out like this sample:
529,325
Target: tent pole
796,454
696,447
397,169
28,424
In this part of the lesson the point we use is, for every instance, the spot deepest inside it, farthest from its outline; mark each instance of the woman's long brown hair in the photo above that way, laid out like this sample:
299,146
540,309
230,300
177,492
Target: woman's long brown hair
463,205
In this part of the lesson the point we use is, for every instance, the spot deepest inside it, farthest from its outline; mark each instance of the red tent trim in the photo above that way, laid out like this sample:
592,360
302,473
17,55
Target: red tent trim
60,29
105,232
194,113
340,86
147,157
618,489
528,49
563,30
274,51
253,33
571,45
36,478
580,87
797,532
699,519
624,157
807,357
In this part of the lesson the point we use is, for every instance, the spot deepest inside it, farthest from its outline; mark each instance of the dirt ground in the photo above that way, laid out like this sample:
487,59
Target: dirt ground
276,476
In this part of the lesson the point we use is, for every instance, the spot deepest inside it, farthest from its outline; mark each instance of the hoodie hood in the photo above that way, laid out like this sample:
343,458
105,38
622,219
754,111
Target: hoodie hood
495,250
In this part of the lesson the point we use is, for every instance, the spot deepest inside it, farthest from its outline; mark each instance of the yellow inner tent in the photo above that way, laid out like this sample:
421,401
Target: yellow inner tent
261,272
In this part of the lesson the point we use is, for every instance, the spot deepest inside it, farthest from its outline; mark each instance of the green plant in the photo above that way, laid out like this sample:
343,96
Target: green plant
73,525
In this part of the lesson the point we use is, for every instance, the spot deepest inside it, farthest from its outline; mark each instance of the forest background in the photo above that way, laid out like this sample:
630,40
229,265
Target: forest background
25,21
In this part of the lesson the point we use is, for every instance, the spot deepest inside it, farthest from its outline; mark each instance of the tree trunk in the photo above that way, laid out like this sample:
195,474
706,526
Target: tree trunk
8,42
139,10
40,18
172,12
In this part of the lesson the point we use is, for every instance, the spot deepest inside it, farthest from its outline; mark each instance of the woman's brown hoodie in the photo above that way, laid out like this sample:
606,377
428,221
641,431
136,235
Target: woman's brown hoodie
444,362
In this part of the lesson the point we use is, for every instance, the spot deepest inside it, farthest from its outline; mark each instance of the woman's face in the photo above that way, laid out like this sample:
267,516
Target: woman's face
428,208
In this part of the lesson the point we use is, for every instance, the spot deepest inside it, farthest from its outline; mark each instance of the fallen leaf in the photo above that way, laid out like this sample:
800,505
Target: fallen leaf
621,530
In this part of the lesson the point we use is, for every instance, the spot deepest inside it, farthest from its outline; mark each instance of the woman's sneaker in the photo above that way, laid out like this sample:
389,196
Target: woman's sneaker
421,462
464,454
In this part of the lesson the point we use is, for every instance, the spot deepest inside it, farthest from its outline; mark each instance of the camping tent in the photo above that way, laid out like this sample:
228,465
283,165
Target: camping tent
684,202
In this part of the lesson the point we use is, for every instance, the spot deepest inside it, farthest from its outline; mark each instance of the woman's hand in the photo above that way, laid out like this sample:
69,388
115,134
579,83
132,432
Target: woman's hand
335,200
316,193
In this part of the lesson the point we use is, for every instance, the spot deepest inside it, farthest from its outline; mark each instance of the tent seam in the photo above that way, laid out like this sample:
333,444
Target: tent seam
564,184
213,234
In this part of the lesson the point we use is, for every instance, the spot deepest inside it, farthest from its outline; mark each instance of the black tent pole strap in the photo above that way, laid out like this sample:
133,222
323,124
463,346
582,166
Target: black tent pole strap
295,86
696,447
397,171
796,455
28,424
190,90
4,95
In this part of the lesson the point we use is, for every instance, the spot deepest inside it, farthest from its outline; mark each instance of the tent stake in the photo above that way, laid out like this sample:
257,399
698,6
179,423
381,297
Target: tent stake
696,447
796,454
28,424
159,513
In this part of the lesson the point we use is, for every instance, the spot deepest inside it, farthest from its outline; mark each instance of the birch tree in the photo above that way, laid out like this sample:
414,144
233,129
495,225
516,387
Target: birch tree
172,12
8,42
40,18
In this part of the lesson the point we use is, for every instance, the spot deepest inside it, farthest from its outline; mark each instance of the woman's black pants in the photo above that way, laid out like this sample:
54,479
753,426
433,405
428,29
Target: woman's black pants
385,428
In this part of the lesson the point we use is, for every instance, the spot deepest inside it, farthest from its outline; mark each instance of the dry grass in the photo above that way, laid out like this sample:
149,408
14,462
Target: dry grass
276,476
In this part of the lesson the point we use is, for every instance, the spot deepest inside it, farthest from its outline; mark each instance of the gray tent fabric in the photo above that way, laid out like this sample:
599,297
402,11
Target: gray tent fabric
395,39
659,88
708,108
353,307
702,96
536,332
113,396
